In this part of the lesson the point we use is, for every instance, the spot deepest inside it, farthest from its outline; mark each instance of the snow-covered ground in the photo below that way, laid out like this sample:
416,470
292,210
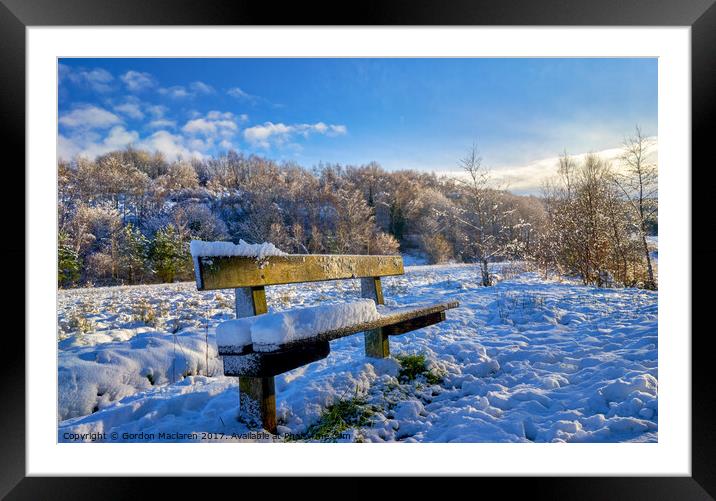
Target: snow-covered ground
530,359
414,260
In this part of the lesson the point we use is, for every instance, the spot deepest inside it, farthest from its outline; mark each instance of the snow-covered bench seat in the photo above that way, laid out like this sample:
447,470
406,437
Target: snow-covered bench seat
258,345
268,345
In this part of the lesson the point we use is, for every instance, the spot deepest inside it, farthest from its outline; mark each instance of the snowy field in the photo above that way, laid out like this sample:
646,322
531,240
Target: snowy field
528,360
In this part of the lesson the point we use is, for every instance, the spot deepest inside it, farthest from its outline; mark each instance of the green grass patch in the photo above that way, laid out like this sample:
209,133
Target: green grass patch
414,366
339,417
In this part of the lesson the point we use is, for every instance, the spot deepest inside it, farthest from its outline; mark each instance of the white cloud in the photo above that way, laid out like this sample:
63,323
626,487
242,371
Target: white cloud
97,79
329,130
226,127
199,137
530,177
137,80
216,115
201,87
215,123
67,149
259,135
90,144
177,92
192,90
117,139
157,110
89,117
161,122
279,134
200,126
131,109
172,146
239,93
337,130
200,144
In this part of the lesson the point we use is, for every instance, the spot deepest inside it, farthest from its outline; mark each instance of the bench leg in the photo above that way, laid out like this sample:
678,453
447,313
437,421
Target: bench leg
257,401
376,344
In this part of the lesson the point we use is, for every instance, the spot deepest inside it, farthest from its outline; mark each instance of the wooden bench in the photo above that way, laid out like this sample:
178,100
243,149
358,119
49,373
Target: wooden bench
249,276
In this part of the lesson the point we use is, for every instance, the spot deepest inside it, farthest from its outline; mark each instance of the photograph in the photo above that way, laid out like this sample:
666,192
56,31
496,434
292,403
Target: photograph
256,240
357,250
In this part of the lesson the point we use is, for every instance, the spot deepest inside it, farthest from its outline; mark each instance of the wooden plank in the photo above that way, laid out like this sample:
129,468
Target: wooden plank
400,315
414,324
258,364
376,342
229,272
258,294
273,363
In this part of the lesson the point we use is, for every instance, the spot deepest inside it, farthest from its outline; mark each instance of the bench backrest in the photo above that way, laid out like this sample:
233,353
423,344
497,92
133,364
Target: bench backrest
229,272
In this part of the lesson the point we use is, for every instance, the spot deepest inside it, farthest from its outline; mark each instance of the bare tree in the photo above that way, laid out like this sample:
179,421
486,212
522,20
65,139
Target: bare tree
638,182
483,215
353,223
588,227
123,199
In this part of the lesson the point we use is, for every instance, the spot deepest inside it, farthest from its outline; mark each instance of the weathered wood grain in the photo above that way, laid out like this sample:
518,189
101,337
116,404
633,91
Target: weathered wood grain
264,365
414,324
251,364
375,341
400,315
255,365
229,272
257,395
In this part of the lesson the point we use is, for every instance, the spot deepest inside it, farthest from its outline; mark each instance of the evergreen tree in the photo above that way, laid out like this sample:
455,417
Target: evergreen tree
168,254
133,253
68,262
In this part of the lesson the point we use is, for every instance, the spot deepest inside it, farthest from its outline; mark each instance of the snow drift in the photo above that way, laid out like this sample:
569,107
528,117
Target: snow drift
528,360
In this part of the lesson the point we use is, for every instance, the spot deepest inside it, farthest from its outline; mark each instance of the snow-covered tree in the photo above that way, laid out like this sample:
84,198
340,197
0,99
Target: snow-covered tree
353,223
483,215
587,231
179,176
638,183
108,204
383,244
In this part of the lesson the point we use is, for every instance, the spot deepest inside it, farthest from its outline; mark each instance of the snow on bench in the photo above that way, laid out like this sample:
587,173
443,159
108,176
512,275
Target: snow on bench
287,329
270,331
199,248
259,345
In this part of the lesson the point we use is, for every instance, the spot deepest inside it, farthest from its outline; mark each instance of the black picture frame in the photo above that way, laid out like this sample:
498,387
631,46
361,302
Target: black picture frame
17,15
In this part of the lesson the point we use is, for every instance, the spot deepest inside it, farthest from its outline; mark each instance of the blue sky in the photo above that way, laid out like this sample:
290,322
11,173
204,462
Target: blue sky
403,113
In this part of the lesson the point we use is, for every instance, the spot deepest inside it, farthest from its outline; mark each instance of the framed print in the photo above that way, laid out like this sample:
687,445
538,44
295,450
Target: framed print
269,241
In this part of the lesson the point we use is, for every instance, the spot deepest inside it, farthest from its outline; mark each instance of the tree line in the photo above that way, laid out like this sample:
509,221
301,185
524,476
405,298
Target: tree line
127,217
